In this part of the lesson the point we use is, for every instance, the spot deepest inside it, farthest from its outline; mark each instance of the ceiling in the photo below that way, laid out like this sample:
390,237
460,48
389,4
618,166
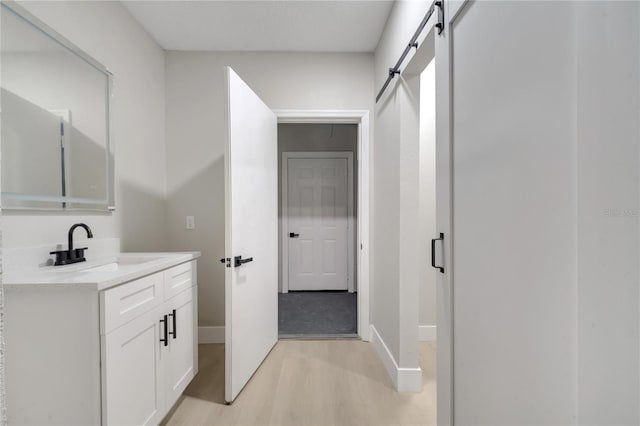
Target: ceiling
267,25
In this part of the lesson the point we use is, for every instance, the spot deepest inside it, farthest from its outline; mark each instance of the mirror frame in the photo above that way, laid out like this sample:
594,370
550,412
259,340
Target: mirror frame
62,202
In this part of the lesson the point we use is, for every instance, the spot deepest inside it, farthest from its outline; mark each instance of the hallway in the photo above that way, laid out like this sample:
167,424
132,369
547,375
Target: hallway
323,382
311,314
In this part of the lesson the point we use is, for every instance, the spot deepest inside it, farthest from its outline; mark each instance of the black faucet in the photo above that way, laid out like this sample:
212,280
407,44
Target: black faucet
65,257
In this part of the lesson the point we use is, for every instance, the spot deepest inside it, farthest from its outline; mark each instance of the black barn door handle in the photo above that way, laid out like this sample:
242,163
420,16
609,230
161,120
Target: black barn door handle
433,252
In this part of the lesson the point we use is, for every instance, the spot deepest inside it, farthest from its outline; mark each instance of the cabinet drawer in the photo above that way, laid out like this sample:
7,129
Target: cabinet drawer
123,303
177,279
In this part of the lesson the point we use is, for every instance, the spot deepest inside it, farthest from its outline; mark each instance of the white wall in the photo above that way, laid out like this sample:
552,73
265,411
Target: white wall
403,21
195,137
397,257
106,31
309,137
427,194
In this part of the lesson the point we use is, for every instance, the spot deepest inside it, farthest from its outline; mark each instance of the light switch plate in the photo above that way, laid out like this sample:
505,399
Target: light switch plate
191,222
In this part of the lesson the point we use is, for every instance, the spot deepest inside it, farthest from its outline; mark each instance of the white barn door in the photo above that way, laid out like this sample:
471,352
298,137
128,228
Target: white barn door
537,188
251,235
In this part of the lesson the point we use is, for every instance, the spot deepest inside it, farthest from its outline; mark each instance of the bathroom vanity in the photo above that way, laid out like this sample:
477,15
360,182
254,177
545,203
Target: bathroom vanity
103,337
110,341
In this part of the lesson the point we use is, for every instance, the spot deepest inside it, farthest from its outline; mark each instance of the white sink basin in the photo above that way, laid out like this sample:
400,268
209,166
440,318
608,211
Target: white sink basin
135,260
119,263
109,267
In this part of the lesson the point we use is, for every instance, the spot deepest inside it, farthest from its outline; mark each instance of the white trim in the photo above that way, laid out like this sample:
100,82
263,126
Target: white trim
321,116
385,355
404,379
365,167
285,212
427,333
210,335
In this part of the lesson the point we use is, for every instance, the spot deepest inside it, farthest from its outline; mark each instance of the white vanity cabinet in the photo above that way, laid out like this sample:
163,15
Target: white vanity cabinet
148,362
114,356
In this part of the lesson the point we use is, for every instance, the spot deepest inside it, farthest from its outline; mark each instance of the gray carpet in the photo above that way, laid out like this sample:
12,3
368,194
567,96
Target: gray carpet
317,314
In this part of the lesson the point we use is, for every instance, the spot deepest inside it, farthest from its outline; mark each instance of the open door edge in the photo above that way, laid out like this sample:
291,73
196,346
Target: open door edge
227,240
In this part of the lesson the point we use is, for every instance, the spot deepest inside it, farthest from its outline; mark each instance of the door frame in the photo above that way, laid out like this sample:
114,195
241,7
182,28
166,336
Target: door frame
323,155
365,166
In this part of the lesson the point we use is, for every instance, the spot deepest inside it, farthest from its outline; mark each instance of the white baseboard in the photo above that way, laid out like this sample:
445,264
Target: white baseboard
404,379
427,333
210,335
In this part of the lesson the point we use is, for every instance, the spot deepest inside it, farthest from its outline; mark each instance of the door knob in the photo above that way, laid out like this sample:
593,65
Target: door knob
293,235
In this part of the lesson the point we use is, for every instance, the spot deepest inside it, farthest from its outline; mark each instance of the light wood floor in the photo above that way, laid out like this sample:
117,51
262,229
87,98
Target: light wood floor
324,382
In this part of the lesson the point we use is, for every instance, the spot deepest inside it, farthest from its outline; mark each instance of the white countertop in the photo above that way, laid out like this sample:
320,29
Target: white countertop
96,274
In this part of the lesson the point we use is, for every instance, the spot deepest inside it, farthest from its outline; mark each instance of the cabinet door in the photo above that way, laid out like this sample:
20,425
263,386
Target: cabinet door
132,372
178,357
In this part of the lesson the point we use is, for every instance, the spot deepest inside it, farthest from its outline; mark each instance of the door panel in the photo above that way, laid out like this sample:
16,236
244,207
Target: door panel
514,257
318,211
538,138
251,231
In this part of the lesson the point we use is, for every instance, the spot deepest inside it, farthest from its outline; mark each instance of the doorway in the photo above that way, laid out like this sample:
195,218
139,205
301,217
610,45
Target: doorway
427,202
318,190
362,204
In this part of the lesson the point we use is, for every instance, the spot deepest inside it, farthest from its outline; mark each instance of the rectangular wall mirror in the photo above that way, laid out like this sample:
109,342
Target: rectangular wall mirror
55,119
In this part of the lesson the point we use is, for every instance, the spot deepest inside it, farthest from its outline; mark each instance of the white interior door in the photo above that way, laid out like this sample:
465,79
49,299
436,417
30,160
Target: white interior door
251,232
318,218
538,139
